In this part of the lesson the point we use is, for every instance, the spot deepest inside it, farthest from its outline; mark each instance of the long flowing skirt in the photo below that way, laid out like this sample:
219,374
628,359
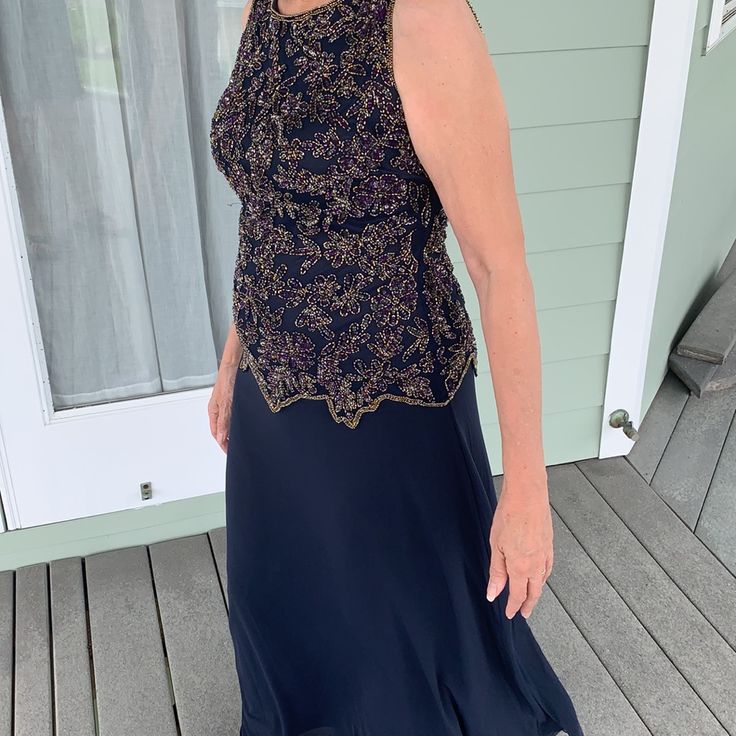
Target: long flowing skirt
357,564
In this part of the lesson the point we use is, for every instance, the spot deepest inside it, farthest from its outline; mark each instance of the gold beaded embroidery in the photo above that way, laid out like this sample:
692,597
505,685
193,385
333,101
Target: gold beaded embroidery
343,289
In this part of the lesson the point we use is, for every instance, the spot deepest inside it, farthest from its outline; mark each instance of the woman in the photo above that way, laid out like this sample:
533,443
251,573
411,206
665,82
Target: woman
361,524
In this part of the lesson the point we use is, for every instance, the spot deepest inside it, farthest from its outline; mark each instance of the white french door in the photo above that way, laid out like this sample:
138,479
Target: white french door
76,462
117,242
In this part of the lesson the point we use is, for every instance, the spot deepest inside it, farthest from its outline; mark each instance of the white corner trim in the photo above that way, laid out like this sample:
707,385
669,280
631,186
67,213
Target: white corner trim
665,84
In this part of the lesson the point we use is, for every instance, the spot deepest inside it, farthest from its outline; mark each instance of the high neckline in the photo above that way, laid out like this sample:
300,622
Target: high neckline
304,14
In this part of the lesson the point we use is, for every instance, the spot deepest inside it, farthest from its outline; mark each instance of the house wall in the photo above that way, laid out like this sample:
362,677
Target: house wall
572,75
702,219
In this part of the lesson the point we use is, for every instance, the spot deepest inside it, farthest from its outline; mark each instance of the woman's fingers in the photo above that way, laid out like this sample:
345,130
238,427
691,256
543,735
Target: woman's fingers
525,588
517,593
498,575
220,406
212,414
534,587
223,427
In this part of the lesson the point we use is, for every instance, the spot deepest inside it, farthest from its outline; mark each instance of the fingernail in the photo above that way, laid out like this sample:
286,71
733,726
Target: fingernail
491,593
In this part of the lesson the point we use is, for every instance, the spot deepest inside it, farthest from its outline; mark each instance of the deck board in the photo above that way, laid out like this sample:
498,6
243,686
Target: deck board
7,626
685,472
74,707
657,426
701,655
601,706
684,557
33,701
658,692
133,692
717,523
197,638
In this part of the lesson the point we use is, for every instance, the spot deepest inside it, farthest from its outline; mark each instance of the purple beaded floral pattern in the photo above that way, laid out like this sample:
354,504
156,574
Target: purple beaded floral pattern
343,289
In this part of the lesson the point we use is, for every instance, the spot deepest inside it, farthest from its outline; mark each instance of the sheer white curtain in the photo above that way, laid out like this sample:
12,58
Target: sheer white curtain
131,231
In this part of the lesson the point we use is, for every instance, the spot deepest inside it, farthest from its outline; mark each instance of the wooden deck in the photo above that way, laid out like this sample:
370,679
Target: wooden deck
638,617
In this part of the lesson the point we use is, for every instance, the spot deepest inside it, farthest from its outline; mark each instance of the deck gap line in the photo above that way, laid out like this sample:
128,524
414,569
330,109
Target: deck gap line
163,643
14,653
217,571
93,681
50,628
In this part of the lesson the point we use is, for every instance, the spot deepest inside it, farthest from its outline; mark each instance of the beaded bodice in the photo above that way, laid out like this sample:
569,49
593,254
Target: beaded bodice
343,289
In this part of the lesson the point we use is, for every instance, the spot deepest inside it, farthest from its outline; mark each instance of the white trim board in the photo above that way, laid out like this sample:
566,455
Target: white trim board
665,85
717,29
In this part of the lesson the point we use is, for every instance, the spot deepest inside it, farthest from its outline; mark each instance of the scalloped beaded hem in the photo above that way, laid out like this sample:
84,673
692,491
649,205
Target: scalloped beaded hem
247,362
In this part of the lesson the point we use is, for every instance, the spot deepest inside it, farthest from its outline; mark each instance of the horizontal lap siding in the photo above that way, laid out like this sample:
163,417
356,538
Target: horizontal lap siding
572,77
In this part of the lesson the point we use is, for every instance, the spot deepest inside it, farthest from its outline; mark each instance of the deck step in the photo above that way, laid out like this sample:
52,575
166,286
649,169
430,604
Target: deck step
712,334
702,377
702,658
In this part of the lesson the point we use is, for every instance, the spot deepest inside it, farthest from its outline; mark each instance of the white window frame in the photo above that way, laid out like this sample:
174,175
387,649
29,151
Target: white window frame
722,22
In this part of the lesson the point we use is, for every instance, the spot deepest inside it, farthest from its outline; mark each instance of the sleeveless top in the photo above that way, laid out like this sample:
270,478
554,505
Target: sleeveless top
343,289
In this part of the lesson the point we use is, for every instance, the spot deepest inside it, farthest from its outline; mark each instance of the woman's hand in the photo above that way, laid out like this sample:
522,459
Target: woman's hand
521,545
220,404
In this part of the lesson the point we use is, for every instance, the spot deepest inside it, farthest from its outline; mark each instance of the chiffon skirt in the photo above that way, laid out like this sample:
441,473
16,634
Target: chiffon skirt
357,564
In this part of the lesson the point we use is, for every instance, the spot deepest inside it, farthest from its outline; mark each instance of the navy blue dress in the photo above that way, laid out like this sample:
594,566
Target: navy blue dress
357,570
359,495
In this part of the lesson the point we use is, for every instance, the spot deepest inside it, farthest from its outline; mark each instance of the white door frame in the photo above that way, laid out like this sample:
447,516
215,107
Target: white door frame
668,66
79,462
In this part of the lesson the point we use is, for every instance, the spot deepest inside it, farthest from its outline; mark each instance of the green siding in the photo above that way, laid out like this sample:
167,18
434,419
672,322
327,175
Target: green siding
572,82
538,25
702,219
543,88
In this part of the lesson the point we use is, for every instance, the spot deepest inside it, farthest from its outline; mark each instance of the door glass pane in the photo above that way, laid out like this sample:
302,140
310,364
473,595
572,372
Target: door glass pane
130,231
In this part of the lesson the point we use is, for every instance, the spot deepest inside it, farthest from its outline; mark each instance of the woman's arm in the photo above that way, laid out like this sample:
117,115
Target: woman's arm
458,125
220,403
233,350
